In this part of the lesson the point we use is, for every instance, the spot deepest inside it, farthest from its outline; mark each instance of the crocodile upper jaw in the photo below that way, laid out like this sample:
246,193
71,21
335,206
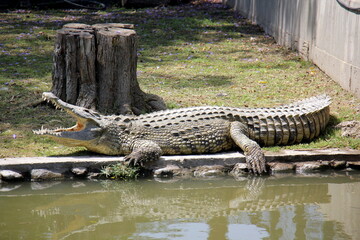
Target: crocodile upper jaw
87,127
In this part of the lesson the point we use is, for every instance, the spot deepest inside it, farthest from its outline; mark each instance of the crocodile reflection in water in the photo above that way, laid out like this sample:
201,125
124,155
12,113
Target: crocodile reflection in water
128,204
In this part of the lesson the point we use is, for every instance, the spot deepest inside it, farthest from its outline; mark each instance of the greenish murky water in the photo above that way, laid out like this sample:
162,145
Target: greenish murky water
282,207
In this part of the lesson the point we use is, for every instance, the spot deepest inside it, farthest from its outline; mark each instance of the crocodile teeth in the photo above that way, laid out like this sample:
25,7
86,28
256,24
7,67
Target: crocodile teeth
56,105
44,131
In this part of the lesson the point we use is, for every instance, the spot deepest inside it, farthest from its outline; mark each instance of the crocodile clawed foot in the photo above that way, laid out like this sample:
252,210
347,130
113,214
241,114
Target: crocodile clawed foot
255,160
132,160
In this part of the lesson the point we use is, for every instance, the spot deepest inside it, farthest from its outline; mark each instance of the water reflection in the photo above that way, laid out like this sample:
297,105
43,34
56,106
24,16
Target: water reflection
315,207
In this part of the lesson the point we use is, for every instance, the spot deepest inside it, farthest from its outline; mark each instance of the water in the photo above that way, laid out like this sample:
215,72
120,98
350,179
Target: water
286,207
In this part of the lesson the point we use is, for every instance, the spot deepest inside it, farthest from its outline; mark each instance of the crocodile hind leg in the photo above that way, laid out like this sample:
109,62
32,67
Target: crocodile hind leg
143,151
254,156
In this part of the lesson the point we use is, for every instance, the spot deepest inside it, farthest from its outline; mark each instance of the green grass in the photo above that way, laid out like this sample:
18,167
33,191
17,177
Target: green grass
120,171
191,55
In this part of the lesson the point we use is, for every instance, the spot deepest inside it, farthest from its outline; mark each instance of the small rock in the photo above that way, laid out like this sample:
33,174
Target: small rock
349,129
338,164
281,167
168,171
239,170
44,174
79,171
94,175
9,175
210,171
354,165
311,166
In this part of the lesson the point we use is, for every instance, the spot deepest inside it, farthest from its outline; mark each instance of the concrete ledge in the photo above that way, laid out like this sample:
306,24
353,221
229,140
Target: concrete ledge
331,154
297,161
24,164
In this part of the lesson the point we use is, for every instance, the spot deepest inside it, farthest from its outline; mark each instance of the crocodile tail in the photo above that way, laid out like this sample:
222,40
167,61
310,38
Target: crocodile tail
312,119
298,122
318,108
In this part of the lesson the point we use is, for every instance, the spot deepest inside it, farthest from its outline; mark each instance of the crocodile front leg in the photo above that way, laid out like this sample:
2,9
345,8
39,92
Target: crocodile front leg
254,156
143,151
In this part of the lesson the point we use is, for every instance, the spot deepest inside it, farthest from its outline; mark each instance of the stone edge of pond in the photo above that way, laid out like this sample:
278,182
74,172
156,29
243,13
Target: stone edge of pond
211,165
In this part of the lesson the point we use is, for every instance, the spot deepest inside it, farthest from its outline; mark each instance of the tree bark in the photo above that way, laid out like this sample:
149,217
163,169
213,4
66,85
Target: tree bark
95,67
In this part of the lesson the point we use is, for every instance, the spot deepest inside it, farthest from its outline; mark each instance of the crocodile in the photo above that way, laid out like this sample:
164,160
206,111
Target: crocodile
193,130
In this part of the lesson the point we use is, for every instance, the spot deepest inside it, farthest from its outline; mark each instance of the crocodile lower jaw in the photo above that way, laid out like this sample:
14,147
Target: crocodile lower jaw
57,132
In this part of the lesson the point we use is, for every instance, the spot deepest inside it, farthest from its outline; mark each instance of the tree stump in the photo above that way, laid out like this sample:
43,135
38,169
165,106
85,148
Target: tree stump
95,67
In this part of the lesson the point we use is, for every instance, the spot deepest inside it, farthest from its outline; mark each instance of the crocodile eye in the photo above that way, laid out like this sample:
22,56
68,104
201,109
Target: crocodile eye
92,113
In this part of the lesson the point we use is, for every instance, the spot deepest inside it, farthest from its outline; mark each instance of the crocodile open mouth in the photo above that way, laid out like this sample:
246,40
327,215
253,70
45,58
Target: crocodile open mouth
86,127
78,127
